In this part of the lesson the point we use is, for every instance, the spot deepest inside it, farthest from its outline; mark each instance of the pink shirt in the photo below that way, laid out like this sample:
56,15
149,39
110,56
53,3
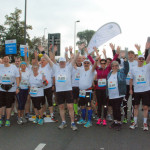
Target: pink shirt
102,73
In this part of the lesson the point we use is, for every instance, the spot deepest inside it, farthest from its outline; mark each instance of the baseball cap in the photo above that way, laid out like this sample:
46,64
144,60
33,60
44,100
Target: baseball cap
62,59
141,56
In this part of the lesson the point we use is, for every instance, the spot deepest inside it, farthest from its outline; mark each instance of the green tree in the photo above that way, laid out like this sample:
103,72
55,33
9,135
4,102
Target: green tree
85,36
15,28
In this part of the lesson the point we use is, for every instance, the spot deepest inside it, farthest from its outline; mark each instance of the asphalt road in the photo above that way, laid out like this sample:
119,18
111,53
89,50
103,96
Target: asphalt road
31,136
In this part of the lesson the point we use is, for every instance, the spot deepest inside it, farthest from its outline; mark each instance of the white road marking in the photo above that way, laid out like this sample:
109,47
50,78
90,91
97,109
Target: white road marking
40,146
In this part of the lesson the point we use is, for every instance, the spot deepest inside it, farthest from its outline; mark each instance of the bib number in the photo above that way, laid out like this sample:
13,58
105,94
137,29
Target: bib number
101,82
33,91
128,76
24,84
61,78
6,78
77,76
82,93
140,79
112,85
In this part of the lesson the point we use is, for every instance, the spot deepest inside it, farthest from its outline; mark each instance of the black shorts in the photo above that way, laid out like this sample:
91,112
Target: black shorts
38,102
144,96
7,99
87,100
64,96
48,95
75,92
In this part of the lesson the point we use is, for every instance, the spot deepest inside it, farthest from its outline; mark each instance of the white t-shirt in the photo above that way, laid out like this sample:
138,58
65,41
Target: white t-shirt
36,85
8,75
86,78
113,91
75,77
63,77
131,66
24,83
141,78
47,71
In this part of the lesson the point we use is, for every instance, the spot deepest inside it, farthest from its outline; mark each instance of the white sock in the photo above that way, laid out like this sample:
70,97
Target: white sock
52,114
145,120
135,120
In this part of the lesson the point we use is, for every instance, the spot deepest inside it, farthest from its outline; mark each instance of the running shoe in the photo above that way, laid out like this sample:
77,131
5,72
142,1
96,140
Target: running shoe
27,116
132,120
133,126
62,125
24,120
81,121
7,123
1,122
40,121
99,121
19,121
36,120
104,122
125,121
54,119
145,127
109,118
73,126
113,125
88,124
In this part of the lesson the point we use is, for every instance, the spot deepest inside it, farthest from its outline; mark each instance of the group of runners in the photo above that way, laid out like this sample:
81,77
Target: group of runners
83,85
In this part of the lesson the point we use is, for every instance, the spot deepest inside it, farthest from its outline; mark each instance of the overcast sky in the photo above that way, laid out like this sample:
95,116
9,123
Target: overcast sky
59,17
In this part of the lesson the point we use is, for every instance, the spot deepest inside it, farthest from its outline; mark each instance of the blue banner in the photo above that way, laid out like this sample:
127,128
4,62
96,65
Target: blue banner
22,51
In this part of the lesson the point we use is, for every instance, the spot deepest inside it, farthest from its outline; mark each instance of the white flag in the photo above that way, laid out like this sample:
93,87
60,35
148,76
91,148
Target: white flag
104,34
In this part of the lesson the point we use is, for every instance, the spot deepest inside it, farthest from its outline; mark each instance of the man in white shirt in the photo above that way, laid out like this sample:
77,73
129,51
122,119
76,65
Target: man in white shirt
63,85
141,81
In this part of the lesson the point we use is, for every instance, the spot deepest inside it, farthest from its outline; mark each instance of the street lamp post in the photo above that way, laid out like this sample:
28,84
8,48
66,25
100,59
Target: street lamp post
25,22
44,37
75,35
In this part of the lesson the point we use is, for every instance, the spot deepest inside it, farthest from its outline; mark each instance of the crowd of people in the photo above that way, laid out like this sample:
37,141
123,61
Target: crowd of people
85,85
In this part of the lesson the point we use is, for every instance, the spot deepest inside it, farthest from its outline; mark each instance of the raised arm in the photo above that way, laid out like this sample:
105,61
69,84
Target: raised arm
25,57
95,64
45,56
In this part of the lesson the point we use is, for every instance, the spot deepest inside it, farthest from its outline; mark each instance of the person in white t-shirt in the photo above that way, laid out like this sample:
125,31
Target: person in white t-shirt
132,63
141,81
46,70
85,94
63,86
9,80
37,82
23,94
116,86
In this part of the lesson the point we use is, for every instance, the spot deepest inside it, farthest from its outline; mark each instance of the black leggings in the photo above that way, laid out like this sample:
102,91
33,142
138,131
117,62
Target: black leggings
116,106
125,101
101,101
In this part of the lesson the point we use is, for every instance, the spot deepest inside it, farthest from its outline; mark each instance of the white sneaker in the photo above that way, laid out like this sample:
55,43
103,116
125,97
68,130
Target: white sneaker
145,127
133,126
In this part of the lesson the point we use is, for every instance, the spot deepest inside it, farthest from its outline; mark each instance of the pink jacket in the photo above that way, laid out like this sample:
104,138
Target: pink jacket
102,73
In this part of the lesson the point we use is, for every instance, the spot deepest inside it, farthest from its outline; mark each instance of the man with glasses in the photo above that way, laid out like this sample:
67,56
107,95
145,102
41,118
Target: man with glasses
140,80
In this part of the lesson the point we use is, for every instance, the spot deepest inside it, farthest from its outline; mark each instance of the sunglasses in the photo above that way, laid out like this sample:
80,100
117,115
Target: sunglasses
115,66
141,59
103,63
87,63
